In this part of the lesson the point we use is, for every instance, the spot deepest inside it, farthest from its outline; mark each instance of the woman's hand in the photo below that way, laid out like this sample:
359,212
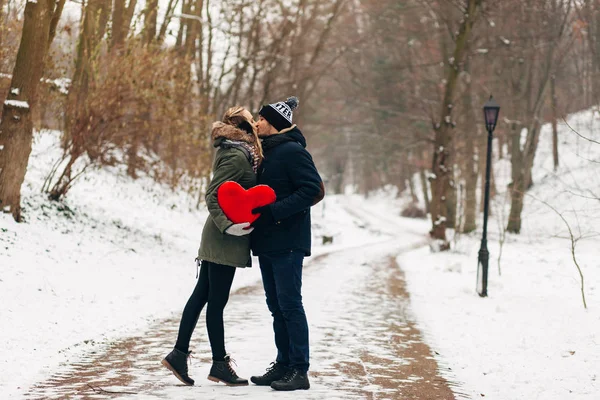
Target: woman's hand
239,229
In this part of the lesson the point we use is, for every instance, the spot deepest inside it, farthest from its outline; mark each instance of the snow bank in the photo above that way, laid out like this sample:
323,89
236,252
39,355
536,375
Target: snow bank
531,338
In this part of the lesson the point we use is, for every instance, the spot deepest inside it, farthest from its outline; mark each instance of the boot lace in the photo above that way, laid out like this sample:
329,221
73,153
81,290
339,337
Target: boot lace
229,362
188,360
271,370
289,376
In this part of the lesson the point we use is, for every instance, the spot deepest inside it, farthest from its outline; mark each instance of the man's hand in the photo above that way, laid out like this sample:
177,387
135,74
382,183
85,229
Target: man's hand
266,216
239,229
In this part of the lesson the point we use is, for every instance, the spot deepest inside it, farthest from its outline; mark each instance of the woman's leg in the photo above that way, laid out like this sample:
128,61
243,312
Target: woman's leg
220,278
192,309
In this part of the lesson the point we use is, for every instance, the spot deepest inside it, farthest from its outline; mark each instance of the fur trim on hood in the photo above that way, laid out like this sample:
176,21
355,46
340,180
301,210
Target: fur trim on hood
230,132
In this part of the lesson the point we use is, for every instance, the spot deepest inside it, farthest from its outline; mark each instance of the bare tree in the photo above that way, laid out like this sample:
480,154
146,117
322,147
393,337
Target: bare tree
94,25
122,14
443,127
538,80
555,115
16,127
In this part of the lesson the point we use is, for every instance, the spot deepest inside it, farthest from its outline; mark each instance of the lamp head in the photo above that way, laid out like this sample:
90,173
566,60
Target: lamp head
491,110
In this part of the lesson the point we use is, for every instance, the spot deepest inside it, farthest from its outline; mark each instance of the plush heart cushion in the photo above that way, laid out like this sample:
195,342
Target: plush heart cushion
238,203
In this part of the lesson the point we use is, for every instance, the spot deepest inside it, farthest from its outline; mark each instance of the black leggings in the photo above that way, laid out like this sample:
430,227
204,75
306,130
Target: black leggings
213,288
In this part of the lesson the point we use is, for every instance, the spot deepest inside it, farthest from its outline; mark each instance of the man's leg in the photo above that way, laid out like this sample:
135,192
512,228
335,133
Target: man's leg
279,326
287,271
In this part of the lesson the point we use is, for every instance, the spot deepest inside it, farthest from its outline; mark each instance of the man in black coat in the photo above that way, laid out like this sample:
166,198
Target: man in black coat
282,238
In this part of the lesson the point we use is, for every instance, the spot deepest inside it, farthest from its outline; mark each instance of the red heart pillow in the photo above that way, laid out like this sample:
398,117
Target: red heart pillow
238,203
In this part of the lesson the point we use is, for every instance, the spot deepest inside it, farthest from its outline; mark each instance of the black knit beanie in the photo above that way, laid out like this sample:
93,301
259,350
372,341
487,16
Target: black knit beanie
280,114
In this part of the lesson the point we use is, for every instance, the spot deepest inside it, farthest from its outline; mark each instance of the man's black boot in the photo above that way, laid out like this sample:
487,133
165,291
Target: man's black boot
176,362
293,380
222,371
274,373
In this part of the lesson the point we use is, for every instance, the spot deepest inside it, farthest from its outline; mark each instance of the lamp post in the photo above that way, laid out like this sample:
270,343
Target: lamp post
491,109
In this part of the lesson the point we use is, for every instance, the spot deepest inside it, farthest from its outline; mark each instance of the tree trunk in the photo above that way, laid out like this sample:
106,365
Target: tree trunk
451,203
470,166
118,16
185,4
132,157
516,207
150,21
530,151
493,190
121,19
168,15
425,189
482,151
55,18
2,26
500,141
93,27
471,173
63,183
517,186
522,160
411,185
593,13
441,150
148,38
128,18
95,17
16,127
554,121
337,180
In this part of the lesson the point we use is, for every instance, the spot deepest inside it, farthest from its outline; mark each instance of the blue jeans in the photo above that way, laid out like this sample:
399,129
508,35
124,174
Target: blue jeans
282,279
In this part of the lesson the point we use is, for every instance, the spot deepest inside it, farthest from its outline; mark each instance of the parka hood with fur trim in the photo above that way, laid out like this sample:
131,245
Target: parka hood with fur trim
223,131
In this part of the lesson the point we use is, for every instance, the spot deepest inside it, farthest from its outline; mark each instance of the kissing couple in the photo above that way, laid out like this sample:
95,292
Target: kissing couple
270,151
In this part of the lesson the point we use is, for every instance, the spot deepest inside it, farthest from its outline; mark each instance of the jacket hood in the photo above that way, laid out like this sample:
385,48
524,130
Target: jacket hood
221,130
297,135
291,134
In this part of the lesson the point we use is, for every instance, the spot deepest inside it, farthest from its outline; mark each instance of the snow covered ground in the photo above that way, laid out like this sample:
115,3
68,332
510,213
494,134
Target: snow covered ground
114,258
531,338
362,344
117,257
87,271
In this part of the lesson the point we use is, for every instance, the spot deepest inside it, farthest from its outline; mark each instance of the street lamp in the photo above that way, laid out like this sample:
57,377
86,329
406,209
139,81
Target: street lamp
491,109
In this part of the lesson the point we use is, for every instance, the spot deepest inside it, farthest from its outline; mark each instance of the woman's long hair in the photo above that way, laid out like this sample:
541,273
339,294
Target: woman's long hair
234,116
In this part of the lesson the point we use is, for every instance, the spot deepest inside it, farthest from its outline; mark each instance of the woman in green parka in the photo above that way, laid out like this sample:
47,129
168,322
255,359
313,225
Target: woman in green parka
225,246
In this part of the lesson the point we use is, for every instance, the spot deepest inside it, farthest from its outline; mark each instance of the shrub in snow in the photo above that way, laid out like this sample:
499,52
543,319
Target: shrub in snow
413,211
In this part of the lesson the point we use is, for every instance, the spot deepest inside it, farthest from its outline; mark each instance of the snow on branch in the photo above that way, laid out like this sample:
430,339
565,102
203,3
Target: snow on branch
62,84
17,104
440,220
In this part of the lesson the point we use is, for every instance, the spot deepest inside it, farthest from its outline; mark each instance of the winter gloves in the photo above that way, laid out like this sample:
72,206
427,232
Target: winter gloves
239,229
266,216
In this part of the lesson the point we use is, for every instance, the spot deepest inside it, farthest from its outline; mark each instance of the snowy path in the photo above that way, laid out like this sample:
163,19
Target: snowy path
364,343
